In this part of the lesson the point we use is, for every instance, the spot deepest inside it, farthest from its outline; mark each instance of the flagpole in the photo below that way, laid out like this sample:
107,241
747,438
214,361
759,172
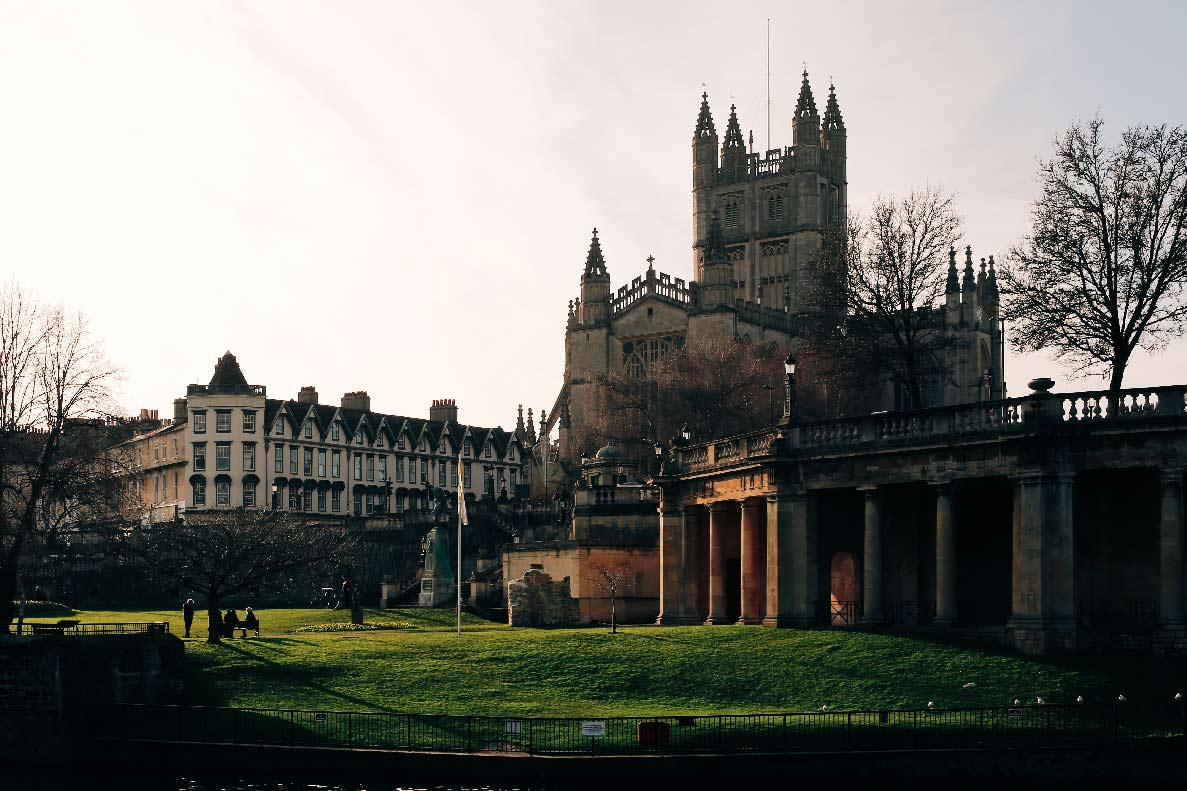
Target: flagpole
459,569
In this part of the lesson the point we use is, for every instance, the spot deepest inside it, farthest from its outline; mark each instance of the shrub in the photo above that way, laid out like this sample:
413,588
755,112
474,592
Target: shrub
42,609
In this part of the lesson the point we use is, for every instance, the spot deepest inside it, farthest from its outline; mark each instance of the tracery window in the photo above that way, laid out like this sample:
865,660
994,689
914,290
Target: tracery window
639,353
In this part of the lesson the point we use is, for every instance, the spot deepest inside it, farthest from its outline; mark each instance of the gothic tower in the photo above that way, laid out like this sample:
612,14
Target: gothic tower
772,206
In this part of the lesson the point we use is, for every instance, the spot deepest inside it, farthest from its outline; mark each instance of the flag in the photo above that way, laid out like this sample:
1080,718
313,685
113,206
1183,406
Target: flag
461,494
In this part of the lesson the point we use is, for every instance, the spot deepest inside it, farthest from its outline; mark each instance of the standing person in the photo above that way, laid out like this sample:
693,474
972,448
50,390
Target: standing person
187,615
230,621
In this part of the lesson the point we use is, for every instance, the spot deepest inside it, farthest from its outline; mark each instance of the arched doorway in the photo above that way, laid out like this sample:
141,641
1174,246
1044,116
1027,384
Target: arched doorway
844,590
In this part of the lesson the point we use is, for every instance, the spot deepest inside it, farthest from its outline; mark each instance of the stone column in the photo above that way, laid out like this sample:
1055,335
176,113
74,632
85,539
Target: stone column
792,561
1026,586
691,531
945,556
719,519
778,578
753,546
1170,550
671,599
871,561
1059,559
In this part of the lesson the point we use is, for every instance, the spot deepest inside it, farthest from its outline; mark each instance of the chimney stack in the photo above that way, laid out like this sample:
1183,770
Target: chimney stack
443,409
357,400
308,395
180,413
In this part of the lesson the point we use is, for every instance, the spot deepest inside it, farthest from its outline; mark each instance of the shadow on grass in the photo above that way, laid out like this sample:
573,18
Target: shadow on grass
305,681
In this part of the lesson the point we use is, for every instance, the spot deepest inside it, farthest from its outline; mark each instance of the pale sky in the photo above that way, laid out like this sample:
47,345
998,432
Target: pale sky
398,197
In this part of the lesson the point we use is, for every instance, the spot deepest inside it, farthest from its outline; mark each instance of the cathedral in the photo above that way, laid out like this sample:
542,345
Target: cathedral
757,223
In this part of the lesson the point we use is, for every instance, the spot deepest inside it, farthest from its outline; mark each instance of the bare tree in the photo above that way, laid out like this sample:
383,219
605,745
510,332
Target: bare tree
1103,270
224,553
715,385
610,579
55,422
873,312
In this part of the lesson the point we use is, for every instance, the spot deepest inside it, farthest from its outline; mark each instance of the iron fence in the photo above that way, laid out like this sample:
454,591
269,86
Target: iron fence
1089,725
76,628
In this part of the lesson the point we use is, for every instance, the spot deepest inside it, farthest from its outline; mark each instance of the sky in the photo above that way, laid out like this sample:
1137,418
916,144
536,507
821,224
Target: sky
398,197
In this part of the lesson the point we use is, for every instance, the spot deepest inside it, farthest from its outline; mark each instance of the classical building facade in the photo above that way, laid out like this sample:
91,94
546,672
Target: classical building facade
1050,522
228,446
757,221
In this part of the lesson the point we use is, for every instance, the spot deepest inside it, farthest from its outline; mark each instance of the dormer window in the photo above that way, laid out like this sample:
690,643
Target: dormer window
486,451
466,449
279,427
335,431
400,442
308,429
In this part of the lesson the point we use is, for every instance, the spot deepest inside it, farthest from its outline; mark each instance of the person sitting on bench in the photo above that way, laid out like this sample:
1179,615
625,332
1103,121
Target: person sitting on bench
250,621
230,622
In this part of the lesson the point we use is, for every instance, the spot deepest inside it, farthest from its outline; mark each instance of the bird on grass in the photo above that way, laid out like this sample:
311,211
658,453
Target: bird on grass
1079,698
824,707
1121,698
1017,702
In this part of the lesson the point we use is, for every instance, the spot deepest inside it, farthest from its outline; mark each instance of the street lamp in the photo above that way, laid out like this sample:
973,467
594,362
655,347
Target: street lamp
789,402
659,457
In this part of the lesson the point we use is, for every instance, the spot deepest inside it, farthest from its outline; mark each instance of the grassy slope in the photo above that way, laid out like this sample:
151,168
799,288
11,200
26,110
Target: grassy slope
497,670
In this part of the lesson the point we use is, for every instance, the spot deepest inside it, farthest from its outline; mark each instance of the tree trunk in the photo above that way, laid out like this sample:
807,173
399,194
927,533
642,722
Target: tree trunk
7,591
214,622
613,615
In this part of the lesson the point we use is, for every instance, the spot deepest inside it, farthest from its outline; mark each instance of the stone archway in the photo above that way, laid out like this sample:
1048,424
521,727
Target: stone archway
844,589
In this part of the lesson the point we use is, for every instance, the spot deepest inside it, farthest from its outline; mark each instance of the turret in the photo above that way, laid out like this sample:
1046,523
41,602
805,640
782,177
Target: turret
594,307
805,125
989,302
531,435
733,150
968,290
833,136
704,175
952,292
717,285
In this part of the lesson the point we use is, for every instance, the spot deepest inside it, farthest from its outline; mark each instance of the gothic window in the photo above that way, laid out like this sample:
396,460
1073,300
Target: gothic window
775,208
733,215
639,353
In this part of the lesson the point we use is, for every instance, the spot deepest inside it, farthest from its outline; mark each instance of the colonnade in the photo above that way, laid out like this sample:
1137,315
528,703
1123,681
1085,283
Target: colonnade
775,538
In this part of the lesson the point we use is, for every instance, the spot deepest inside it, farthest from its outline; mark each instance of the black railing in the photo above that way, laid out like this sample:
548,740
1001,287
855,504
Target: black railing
76,628
843,613
1070,725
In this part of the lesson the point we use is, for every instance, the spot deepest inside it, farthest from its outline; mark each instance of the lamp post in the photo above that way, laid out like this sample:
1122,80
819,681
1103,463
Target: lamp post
275,498
659,457
790,412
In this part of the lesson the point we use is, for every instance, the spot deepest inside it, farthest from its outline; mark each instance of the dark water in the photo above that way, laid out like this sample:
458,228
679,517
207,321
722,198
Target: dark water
103,779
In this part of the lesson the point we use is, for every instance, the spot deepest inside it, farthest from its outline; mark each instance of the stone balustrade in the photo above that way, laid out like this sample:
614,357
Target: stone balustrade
1006,417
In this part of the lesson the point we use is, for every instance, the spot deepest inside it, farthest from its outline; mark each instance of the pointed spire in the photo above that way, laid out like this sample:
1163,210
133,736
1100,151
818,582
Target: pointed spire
981,275
805,106
953,281
705,127
715,245
969,282
991,279
733,134
520,429
595,265
833,122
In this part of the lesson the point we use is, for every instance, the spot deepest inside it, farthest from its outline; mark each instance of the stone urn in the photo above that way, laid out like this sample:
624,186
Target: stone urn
1041,385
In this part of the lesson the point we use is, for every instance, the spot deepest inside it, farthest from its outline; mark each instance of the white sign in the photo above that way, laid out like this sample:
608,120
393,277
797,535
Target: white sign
593,728
1015,714
319,717
515,727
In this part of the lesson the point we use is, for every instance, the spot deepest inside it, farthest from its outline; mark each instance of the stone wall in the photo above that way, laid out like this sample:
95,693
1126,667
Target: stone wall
537,600
48,683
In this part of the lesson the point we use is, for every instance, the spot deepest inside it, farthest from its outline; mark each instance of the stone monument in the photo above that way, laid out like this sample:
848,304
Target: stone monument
436,585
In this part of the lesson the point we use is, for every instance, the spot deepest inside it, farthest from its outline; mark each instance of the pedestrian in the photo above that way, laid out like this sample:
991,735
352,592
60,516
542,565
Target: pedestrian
187,615
347,590
230,621
250,621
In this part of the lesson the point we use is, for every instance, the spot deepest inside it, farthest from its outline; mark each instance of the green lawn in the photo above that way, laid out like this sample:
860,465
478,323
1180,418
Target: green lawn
497,670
